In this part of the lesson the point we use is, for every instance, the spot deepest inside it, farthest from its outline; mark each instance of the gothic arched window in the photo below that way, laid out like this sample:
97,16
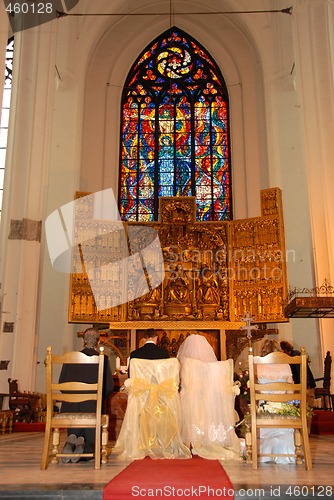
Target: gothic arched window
174,131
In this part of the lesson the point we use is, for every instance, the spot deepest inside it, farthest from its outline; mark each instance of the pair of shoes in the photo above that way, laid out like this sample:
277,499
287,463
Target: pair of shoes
69,447
79,448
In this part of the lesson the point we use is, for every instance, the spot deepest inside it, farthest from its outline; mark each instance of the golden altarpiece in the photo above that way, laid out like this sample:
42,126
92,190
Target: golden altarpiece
214,274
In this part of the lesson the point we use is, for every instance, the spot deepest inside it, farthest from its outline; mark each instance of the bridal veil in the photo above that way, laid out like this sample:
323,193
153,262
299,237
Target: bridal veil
207,401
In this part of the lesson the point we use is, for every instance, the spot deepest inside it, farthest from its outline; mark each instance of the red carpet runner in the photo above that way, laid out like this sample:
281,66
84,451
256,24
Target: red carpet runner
162,478
322,422
31,427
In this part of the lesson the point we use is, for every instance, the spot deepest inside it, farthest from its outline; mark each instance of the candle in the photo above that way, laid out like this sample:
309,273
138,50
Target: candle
127,362
118,363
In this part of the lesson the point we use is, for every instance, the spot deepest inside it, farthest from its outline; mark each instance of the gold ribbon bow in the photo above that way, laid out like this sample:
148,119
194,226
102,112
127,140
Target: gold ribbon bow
157,423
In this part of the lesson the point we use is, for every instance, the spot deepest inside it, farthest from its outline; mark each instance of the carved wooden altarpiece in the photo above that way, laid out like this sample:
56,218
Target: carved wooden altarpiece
215,272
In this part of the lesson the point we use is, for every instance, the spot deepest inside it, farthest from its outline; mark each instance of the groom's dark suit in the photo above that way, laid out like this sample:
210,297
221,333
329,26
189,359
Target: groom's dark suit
149,351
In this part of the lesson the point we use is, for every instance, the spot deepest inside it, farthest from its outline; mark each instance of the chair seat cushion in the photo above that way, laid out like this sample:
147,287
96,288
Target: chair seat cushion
74,416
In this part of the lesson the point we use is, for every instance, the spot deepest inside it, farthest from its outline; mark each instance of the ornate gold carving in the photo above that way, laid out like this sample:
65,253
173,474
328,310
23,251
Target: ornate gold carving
178,325
271,202
214,271
258,263
177,210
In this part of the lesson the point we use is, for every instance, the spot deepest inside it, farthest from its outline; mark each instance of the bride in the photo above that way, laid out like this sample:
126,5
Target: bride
207,401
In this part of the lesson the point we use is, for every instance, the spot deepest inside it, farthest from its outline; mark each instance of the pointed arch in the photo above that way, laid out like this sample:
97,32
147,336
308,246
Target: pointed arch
175,131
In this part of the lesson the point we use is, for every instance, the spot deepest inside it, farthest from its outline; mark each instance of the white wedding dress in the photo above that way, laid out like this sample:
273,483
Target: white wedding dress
276,441
207,401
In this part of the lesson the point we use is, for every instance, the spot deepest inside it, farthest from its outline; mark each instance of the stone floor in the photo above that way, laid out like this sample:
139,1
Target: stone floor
21,477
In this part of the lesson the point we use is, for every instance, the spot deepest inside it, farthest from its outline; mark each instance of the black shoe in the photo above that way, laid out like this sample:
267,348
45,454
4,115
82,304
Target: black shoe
79,448
69,447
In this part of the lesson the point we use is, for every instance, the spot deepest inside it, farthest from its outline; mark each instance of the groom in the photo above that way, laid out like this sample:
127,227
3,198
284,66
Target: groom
149,350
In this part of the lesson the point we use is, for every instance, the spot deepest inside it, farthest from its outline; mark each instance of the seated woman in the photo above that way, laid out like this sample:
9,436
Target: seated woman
275,440
207,401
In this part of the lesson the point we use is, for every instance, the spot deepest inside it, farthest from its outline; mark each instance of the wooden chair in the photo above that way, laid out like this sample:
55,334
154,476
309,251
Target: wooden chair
74,392
152,418
278,392
23,404
324,392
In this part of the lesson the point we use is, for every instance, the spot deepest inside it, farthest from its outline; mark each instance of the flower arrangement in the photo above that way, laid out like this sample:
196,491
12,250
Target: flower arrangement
290,409
242,379
273,409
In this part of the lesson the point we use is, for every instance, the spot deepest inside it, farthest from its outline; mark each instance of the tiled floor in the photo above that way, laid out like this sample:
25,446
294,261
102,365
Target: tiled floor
21,477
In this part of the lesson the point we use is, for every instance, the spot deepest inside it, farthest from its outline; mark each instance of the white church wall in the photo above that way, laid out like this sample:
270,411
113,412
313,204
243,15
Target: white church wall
287,170
313,32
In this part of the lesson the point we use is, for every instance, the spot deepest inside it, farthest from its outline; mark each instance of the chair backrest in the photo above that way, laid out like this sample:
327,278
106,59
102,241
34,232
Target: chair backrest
19,400
207,407
152,418
74,392
13,386
327,370
155,370
277,388
270,381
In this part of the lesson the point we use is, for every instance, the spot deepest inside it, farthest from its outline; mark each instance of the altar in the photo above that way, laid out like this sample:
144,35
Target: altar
182,276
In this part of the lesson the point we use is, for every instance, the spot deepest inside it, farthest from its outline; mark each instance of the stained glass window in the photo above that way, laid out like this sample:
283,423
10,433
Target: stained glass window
5,112
175,131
